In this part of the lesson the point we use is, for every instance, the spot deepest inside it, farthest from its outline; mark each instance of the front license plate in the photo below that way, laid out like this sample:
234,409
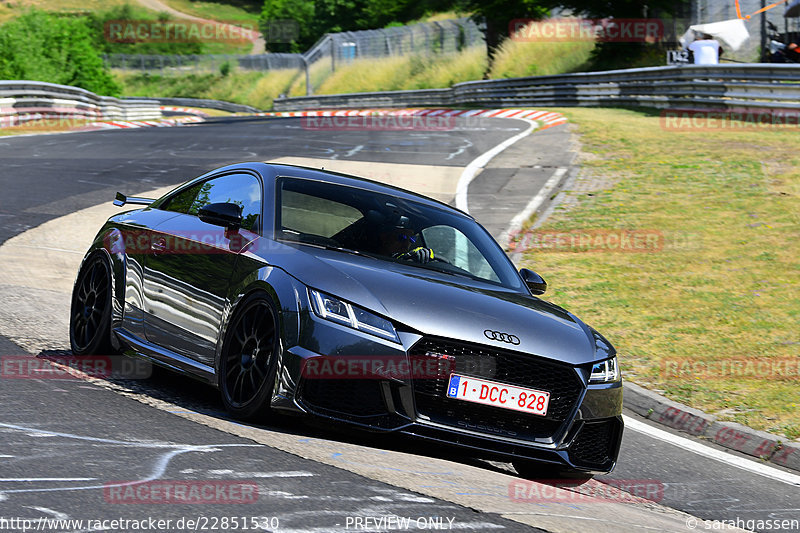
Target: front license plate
498,394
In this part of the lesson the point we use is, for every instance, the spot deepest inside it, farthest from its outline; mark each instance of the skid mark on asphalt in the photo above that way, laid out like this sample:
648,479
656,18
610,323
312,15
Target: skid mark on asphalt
159,463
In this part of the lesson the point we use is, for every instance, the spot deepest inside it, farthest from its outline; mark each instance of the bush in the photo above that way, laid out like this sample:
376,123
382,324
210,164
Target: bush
42,47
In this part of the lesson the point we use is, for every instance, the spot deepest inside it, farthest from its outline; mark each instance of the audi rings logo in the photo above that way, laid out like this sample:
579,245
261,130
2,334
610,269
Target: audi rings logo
500,336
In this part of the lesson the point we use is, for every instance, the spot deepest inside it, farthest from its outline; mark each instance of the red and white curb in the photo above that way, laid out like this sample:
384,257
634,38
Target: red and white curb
546,118
187,110
128,124
762,445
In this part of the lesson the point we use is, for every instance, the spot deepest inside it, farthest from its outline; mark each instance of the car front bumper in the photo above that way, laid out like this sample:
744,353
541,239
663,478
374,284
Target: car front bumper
582,431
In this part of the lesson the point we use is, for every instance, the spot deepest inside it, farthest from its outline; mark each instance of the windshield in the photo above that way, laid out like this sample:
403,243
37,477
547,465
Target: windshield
388,228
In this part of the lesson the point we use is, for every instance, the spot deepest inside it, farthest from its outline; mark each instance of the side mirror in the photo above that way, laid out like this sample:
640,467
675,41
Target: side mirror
227,215
536,283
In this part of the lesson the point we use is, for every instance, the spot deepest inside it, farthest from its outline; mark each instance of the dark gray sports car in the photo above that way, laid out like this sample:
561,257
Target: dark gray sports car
307,291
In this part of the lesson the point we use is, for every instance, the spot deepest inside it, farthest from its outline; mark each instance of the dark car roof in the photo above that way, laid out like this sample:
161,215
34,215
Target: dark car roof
275,170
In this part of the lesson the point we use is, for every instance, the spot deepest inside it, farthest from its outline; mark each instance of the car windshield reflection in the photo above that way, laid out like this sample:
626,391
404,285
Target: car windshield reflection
362,222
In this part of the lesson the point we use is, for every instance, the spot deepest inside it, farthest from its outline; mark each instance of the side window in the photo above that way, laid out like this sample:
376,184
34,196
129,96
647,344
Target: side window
182,202
456,248
240,189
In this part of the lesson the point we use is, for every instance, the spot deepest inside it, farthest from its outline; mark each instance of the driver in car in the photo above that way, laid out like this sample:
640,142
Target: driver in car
401,243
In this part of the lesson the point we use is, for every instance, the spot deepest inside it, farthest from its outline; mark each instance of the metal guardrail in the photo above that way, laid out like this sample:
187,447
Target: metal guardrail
20,100
756,86
200,102
203,62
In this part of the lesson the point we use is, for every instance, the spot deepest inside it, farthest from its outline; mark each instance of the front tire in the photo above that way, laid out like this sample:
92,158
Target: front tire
249,358
90,310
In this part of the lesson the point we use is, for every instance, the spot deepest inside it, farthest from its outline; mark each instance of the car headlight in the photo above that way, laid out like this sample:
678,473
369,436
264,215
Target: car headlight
333,309
605,371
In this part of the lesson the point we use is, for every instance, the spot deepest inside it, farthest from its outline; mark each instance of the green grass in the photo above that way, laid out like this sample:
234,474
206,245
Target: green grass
395,73
514,59
250,88
13,8
231,11
517,59
724,286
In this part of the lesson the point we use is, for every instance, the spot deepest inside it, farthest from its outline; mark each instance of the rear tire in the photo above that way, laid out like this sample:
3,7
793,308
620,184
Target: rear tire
90,310
249,358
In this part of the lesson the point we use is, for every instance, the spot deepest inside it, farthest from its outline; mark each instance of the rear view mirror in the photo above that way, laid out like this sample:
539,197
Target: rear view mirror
227,215
536,283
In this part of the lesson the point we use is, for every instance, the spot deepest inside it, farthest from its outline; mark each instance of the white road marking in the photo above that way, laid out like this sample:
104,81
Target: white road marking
159,467
533,205
712,453
58,515
354,151
293,473
32,479
481,161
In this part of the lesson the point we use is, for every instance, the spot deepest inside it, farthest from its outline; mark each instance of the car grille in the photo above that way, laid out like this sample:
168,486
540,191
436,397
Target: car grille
595,445
351,397
560,380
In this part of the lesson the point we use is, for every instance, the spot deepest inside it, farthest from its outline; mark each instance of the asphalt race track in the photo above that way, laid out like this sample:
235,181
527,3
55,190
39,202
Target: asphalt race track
67,445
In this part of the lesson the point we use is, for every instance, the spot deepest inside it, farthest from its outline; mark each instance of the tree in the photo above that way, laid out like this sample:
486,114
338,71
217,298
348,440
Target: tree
497,15
315,18
295,15
610,55
42,47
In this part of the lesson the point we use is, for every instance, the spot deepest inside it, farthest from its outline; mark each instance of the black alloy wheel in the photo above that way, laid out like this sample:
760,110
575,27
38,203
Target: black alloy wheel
249,357
90,311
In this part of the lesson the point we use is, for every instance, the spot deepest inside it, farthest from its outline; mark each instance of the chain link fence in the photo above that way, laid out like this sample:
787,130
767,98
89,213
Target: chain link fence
445,36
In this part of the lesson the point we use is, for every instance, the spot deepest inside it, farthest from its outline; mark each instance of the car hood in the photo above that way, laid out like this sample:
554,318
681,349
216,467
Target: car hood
444,305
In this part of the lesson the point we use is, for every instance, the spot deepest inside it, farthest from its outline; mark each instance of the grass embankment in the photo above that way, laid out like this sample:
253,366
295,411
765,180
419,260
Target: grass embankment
364,75
260,88
724,289
401,73
251,88
517,59
13,8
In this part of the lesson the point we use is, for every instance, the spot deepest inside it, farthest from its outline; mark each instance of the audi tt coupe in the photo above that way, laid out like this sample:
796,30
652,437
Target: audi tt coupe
311,292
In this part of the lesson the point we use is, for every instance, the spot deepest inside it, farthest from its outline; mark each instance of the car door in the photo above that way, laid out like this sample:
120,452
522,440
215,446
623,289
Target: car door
189,265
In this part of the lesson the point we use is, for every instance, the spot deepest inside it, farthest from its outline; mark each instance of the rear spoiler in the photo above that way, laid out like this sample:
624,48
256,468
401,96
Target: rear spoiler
121,200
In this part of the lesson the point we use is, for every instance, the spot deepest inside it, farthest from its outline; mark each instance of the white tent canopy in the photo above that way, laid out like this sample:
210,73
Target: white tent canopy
732,32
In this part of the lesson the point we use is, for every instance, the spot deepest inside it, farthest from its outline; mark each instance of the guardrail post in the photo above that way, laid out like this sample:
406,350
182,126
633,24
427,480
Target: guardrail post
308,78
